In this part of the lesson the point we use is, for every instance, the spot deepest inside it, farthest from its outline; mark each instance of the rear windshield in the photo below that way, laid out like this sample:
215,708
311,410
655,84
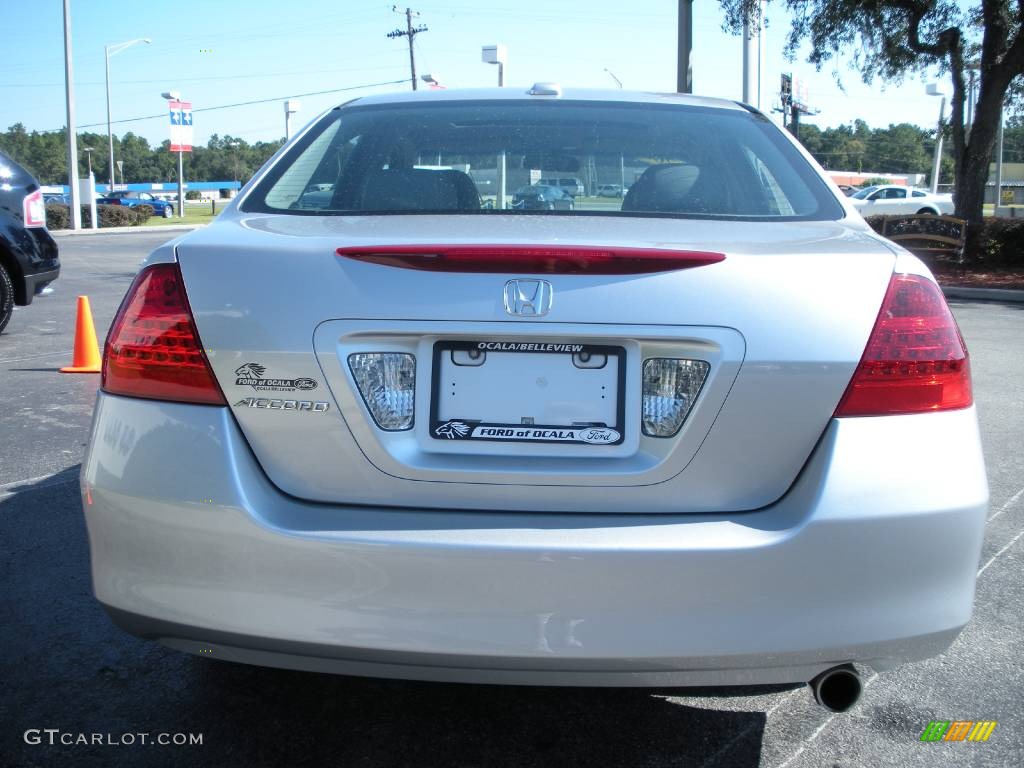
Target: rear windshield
483,157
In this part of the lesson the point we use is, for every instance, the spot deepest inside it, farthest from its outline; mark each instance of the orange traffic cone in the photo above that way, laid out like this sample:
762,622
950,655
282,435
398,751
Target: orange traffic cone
87,351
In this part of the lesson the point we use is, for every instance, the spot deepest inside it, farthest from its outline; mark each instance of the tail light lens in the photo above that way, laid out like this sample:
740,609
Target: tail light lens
153,349
915,360
34,209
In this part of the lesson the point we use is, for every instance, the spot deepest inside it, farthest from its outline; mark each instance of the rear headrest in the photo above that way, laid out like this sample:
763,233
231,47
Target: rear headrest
664,188
418,189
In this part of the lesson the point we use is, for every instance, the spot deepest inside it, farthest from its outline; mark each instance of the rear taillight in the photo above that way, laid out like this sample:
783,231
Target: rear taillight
34,209
915,360
153,349
531,259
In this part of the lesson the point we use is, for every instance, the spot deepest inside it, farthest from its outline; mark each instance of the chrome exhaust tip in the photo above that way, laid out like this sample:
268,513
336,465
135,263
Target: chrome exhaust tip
837,689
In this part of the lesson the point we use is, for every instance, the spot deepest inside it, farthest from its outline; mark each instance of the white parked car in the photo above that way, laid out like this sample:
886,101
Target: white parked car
723,434
893,199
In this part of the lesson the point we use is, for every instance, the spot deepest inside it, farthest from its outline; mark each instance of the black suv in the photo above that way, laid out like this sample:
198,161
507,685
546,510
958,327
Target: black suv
28,255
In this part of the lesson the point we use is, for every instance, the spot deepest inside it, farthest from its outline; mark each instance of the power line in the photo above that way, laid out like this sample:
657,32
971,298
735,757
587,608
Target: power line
253,76
239,104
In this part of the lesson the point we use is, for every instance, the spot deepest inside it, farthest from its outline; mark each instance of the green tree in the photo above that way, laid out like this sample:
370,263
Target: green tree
222,159
890,38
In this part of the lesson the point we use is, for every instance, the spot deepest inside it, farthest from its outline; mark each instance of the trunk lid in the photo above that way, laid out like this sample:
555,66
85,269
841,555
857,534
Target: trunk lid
781,323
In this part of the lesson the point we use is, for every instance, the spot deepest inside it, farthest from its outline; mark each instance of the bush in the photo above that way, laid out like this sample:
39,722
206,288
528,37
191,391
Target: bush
115,216
193,194
57,216
1001,245
142,213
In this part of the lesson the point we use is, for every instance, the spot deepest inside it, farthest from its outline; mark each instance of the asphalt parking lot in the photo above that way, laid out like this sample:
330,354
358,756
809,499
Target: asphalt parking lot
66,667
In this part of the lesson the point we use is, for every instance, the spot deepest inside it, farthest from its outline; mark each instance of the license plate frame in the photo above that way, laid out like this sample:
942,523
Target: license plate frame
482,430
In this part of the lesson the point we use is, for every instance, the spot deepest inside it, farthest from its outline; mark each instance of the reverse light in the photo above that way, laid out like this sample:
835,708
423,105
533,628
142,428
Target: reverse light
387,382
670,387
34,209
527,259
153,349
915,360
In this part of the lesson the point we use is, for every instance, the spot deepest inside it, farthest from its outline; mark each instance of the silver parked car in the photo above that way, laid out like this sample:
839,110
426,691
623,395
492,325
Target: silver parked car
720,434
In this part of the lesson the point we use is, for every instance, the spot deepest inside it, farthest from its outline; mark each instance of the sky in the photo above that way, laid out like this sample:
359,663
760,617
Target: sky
223,52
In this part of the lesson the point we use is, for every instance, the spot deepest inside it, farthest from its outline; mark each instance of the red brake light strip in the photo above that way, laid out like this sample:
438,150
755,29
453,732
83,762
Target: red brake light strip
566,260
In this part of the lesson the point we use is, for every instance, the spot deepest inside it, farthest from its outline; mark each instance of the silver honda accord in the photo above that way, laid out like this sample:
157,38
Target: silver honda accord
377,420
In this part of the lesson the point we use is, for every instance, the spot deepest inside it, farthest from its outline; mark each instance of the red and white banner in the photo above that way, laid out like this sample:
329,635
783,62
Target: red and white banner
181,126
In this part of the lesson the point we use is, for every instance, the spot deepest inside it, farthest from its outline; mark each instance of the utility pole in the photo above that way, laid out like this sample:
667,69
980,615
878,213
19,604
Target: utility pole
749,61
753,54
411,33
684,73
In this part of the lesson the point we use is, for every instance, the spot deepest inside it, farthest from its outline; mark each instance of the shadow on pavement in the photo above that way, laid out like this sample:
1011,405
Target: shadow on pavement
67,667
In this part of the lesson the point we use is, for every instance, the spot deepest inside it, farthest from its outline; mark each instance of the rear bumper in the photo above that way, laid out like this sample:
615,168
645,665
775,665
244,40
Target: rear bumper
34,284
871,557
35,250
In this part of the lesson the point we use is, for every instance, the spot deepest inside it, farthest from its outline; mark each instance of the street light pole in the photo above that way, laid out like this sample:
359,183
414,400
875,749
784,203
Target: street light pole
933,90
108,51
291,106
749,61
234,146
176,96
69,91
110,133
496,54
999,165
181,184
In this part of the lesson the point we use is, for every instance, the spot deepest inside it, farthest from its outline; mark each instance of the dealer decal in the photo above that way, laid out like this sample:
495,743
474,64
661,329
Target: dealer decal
456,429
516,346
254,375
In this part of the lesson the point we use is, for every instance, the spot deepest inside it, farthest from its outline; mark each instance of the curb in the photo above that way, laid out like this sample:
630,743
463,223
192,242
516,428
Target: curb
125,230
988,294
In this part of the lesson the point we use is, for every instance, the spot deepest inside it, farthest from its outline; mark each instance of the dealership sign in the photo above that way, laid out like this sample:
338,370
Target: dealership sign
181,126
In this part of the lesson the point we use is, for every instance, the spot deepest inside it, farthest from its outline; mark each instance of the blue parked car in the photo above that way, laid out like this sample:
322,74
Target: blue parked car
132,199
542,197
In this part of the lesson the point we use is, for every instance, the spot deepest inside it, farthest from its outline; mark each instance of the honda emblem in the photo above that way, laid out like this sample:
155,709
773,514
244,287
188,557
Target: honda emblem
528,298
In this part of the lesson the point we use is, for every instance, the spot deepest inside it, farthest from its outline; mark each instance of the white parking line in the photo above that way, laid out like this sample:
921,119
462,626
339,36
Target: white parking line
34,357
1001,551
869,680
1013,500
817,732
